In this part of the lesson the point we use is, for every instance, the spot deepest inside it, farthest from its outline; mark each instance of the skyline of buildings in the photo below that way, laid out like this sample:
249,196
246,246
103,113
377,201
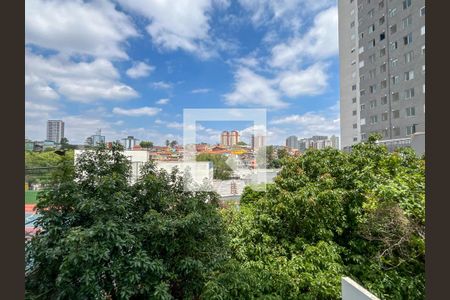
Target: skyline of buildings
55,130
315,142
382,69
229,138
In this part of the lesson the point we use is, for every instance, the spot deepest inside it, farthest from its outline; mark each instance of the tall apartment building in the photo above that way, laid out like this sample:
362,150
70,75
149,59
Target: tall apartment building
55,130
258,141
229,139
292,142
382,68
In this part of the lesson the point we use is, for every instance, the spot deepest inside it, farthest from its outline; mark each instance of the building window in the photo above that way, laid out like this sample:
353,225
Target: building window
353,100
395,79
361,49
410,111
361,64
383,68
354,113
362,92
381,5
396,131
409,75
371,44
407,22
393,29
410,129
394,62
422,30
395,96
373,103
392,12
422,11
363,107
361,78
371,28
372,58
383,35
371,13
355,139
373,119
361,35
354,87
382,51
383,100
396,114
373,88
355,126
372,73
394,45
381,20
383,84
363,136
407,39
406,4
385,133
409,57
384,116
409,93
363,121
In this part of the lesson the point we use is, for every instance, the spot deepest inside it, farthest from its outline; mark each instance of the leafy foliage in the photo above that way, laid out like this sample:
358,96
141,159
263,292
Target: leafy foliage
104,238
221,169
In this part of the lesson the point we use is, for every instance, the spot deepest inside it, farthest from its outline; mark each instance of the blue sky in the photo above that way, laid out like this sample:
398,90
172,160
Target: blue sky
130,67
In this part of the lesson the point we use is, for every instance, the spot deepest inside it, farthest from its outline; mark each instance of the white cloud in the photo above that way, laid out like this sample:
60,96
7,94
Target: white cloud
184,25
320,41
253,90
77,27
140,69
161,85
200,91
137,112
162,101
83,81
311,81
39,107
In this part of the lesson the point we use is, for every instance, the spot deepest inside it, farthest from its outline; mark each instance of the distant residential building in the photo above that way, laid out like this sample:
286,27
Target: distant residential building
234,138
335,142
228,139
225,138
129,142
258,142
96,139
55,130
292,142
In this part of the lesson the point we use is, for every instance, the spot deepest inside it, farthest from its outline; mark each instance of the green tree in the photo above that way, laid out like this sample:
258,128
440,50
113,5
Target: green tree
167,143
146,144
221,169
173,144
242,143
104,238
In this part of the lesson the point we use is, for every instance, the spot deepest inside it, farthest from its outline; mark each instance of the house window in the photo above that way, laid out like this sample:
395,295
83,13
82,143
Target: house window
396,131
406,4
371,28
354,113
409,57
385,133
355,126
381,20
362,121
384,116
373,103
407,39
409,75
395,96
393,29
383,84
383,68
394,62
410,129
383,35
373,119
392,12
373,88
372,73
363,107
410,111
422,30
395,79
372,58
354,87
422,11
361,35
384,100
382,51
409,93
362,92
407,21
394,45
361,78
363,136
355,139
353,100
396,114
371,44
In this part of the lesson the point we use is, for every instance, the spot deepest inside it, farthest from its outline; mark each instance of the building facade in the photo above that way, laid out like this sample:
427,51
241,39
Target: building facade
292,142
382,69
55,130
228,139
258,142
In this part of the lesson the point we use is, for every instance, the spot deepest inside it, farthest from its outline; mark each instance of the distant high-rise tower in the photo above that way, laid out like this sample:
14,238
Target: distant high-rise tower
292,142
258,141
129,142
225,138
382,69
55,130
234,138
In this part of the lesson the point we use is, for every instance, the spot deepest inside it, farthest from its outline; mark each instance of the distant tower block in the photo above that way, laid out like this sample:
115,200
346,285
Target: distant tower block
234,138
225,138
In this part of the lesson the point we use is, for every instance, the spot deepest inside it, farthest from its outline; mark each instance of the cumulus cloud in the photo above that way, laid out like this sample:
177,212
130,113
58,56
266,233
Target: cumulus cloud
310,81
83,81
78,27
319,42
200,91
137,112
253,90
163,101
184,26
161,85
140,69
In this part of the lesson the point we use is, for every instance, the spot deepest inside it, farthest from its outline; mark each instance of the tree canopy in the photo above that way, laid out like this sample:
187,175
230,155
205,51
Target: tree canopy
221,169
